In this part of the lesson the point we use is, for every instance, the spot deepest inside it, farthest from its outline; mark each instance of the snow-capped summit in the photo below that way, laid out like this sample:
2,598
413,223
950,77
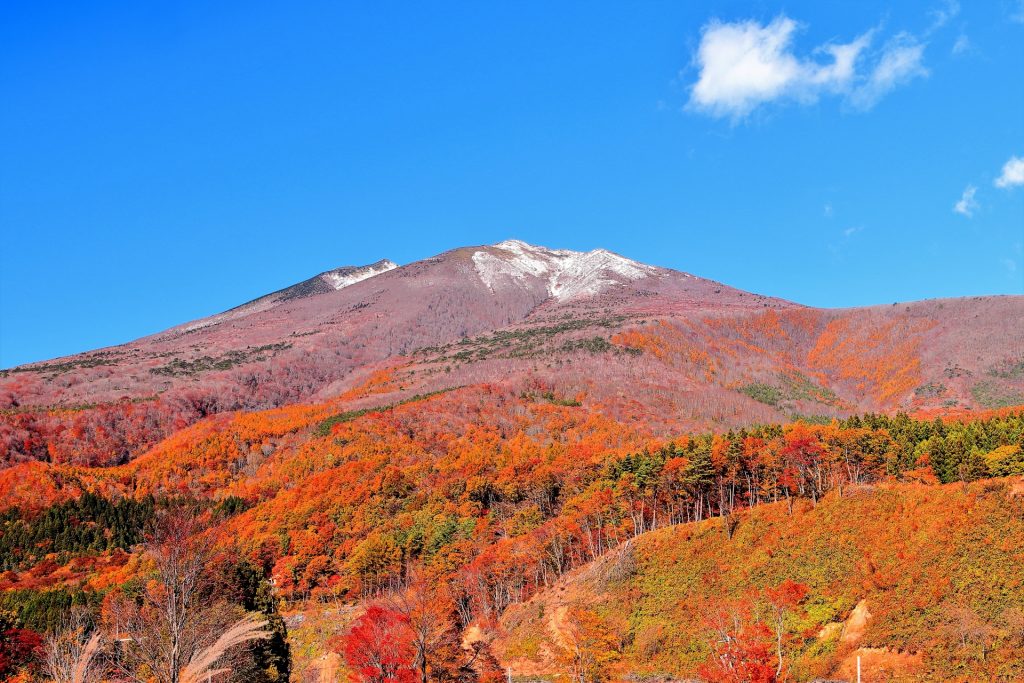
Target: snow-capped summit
566,274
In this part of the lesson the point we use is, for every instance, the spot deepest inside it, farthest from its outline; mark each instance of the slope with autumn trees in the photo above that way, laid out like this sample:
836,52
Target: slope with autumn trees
921,582
486,495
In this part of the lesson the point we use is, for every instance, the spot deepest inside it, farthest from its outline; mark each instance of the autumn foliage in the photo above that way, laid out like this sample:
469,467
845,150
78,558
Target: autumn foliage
379,647
486,495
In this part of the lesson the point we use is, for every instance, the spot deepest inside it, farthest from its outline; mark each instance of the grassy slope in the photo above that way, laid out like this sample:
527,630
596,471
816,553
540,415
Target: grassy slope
915,553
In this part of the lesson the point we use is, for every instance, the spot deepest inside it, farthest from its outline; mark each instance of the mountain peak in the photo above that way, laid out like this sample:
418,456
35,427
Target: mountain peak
517,244
565,274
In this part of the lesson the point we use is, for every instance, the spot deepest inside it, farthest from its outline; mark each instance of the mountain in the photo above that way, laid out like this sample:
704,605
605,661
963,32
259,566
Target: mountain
693,353
553,461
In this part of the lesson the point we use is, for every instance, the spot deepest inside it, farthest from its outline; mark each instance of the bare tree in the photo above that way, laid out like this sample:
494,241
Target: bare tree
176,630
969,628
70,654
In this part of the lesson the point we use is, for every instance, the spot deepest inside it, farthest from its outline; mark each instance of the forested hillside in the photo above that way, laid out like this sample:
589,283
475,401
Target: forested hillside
478,497
921,582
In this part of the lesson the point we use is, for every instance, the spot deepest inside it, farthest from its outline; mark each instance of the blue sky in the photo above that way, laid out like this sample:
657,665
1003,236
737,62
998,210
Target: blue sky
159,164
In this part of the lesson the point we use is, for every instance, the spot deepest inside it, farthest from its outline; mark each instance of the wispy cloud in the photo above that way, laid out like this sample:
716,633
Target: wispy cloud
901,61
1013,173
943,15
746,64
967,204
962,45
1011,262
838,245
1017,13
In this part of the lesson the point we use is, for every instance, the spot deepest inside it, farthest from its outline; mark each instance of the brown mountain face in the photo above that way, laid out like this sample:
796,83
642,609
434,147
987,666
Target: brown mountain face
669,349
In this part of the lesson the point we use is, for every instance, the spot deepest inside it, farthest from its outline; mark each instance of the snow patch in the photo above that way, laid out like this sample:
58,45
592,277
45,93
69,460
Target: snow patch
566,274
339,279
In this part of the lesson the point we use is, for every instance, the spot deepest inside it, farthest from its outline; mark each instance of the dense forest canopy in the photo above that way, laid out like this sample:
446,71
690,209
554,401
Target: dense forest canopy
382,505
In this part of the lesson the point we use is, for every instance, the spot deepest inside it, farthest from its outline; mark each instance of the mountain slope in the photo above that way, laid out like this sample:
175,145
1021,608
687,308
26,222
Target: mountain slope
498,493
921,582
441,299
695,353
324,283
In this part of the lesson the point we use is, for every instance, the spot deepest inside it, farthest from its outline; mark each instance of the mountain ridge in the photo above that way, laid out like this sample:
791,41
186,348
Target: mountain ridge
321,283
346,276
694,353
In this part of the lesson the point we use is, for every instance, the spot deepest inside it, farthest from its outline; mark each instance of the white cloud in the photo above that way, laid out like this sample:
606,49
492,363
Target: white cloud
962,45
1013,173
827,210
744,64
901,61
967,204
850,232
837,75
943,15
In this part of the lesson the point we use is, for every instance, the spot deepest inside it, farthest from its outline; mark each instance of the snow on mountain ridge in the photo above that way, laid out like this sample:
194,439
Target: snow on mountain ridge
343,277
568,274
336,279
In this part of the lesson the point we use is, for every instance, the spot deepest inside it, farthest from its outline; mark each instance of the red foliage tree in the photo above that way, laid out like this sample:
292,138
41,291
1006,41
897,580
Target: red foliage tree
18,646
741,651
380,647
